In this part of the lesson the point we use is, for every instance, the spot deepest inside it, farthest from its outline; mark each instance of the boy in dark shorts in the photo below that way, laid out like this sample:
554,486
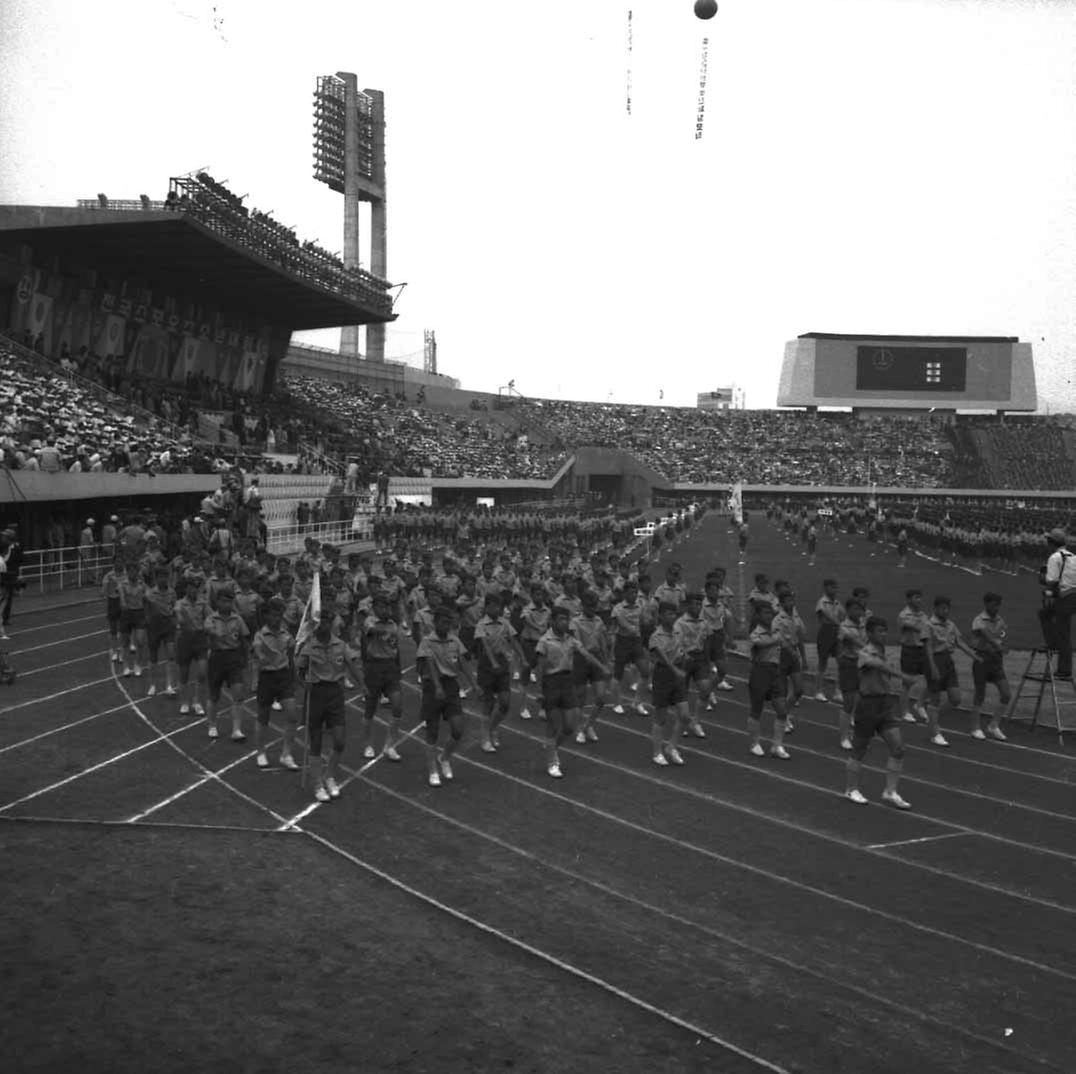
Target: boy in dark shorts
132,601
495,638
876,714
916,658
766,683
593,635
535,622
191,646
160,630
851,637
693,632
440,657
273,651
625,622
556,651
669,687
788,623
229,642
988,633
945,639
324,662
110,590
381,664
829,613
716,612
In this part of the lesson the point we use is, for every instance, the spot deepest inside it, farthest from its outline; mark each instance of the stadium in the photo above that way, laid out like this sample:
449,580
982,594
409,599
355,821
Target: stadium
614,882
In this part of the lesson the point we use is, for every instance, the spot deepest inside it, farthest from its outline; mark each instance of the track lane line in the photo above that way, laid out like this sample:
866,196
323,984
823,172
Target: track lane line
53,697
61,641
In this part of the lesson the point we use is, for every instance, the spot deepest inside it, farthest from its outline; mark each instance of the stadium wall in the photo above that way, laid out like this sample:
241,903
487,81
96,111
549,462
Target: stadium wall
37,487
392,377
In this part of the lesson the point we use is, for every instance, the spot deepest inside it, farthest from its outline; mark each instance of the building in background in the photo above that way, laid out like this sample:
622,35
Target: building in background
721,399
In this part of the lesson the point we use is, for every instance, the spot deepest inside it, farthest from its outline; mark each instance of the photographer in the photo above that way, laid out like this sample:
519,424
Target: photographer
1059,601
10,565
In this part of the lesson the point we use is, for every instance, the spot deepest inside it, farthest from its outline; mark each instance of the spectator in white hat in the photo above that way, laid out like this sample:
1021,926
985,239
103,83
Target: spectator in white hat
108,536
85,551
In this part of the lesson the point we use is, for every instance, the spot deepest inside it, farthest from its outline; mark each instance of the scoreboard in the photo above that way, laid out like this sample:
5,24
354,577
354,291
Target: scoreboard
872,372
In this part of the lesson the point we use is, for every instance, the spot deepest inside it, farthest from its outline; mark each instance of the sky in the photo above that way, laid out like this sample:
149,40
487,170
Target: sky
865,166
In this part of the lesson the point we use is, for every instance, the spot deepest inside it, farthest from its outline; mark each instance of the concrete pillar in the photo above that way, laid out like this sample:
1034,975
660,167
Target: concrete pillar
349,335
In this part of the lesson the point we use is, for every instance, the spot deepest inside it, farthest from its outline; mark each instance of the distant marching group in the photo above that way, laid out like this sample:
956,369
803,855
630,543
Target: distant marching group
578,634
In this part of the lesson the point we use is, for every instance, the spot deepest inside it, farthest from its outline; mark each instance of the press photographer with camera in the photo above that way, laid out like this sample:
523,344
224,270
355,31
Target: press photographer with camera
1059,600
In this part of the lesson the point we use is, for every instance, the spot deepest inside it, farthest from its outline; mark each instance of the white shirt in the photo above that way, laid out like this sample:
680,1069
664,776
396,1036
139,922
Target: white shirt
1061,568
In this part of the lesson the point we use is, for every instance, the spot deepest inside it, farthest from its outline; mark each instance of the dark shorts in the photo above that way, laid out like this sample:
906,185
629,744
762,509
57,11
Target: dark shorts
946,678
493,680
847,676
132,619
112,612
586,673
326,707
433,710
913,660
715,647
668,689
225,669
989,669
765,683
558,691
627,649
530,659
469,641
696,668
382,678
158,634
826,641
190,647
790,663
275,686
875,713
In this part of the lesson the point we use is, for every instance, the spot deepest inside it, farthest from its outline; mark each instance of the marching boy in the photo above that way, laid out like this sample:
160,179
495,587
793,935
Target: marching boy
274,659
440,656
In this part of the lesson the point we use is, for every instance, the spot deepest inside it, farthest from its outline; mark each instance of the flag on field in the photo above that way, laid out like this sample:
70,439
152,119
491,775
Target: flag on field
736,501
311,614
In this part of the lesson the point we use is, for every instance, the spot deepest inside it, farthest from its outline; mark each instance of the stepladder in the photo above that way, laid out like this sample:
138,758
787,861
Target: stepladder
1059,695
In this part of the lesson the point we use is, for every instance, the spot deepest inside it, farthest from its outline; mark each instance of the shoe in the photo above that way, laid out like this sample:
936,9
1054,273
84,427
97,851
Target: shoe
780,753
856,795
169,691
132,647
151,691
288,762
524,713
332,787
262,761
789,727
369,753
554,770
909,717
922,714
757,750
724,684
392,754
184,709
978,733
997,734
641,709
435,779
697,730
446,768
618,709
276,706
198,710
895,800
114,655
634,687
515,676
495,738
674,755
127,673
820,696
591,734
213,732
488,747
846,743
660,759
348,684
580,738
321,794
710,703
238,736
138,672
465,692
838,698
939,740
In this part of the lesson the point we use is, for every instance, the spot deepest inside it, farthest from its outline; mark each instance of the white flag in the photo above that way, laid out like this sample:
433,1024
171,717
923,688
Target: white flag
311,614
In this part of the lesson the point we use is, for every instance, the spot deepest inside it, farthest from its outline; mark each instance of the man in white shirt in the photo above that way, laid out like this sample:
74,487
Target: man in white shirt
1059,600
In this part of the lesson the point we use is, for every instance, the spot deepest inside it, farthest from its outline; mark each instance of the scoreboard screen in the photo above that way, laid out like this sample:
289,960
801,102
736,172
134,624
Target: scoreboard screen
922,369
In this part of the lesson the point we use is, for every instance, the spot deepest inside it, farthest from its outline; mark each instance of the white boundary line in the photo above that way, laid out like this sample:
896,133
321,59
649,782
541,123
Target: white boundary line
61,641
63,664
64,727
160,824
921,839
52,697
19,631
679,920
552,960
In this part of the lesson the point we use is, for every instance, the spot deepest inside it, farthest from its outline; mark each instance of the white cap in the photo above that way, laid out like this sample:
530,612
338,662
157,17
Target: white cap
89,522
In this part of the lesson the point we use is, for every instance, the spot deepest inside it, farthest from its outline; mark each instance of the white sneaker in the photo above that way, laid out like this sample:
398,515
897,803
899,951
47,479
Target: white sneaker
660,759
276,706
488,747
151,691
909,717
184,709
198,710
780,753
524,713
895,800
213,732
262,761
820,696
580,738
515,676
465,692
392,754
618,709
922,714
238,736
132,647
978,733
997,734
789,727
856,795
115,657
332,787
846,743
369,753
641,709
321,794
138,672
757,750
169,691
939,740
724,684
127,673
554,770
288,762
446,768
838,698
435,779
674,755
592,735
634,687
697,730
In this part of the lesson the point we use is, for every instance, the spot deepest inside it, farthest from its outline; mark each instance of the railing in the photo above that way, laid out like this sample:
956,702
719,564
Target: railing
51,570
123,205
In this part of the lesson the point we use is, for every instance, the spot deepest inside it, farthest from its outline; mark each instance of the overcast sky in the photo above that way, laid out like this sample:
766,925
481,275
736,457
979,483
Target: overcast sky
903,166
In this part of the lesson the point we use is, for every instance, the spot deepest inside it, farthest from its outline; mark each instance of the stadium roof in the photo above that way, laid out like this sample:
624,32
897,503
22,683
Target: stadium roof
177,253
912,339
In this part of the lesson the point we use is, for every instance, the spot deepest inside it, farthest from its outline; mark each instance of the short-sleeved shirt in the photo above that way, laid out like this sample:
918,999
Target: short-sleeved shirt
914,627
829,611
328,661
691,633
988,633
873,682
191,617
247,604
226,632
943,635
559,652
592,633
669,643
851,637
497,633
626,619
469,610
535,622
161,605
671,594
765,646
381,638
110,586
444,653
756,596
791,628
132,594
716,614
273,648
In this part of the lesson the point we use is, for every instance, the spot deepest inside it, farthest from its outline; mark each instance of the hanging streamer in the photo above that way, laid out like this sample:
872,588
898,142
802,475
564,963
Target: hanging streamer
701,110
629,61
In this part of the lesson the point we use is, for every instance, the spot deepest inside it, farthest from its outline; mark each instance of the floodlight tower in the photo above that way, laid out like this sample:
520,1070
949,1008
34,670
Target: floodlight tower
429,351
349,157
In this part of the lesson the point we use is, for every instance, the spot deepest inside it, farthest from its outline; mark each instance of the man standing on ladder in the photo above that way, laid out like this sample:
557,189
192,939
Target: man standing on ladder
1059,601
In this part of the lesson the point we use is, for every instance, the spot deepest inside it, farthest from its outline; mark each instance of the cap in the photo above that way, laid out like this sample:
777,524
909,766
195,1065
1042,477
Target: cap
114,518
90,522
1057,536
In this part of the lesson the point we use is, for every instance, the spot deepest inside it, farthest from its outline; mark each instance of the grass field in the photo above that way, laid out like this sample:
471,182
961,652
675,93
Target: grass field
168,906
